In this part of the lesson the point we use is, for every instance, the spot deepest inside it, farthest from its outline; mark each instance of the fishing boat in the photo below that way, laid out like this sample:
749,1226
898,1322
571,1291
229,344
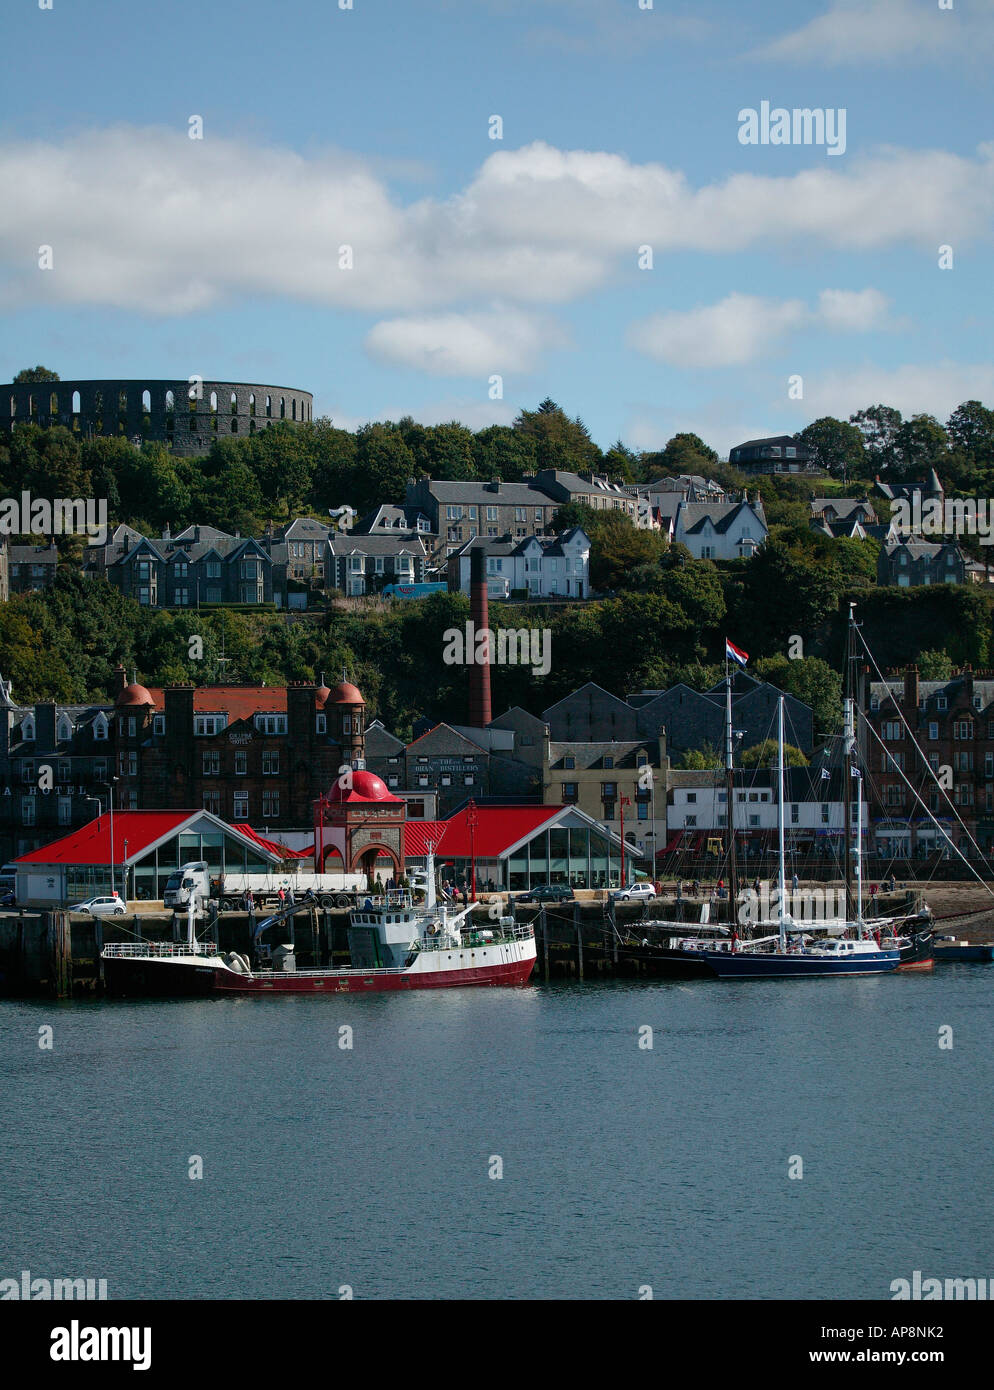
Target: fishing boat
948,948
394,944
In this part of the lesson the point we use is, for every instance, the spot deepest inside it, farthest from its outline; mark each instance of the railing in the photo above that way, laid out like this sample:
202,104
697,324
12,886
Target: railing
160,948
473,937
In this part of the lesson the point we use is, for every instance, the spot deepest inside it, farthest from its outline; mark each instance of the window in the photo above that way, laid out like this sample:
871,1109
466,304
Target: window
270,805
100,770
65,730
213,569
933,728
28,728
690,820
963,729
824,812
65,771
754,820
795,813
491,513
181,597
321,724
65,810
212,802
240,803
422,781
393,780
212,763
569,762
446,779
707,552
270,762
28,810
941,703
642,810
159,724
99,728
609,790
963,762
893,730
271,723
207,725
241,763
609,762
569,791
468,780
27,772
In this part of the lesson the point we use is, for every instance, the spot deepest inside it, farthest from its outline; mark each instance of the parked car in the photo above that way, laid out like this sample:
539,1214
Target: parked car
7,899
548,893
102,906
640,892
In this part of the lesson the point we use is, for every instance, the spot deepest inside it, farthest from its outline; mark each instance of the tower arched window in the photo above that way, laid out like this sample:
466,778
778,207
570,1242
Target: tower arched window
234,402
213,402
282,407
269,406
252,403
53,403
75,402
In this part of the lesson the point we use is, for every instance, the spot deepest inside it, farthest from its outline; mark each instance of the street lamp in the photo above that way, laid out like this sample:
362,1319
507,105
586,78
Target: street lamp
110,784
624,801
471,821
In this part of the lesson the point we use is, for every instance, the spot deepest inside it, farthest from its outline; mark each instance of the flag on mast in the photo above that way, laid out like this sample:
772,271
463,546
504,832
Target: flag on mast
734,653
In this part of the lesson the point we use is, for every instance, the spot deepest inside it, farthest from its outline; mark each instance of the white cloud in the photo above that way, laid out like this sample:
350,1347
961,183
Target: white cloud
504,340
726,334
934,388
145,219
881,31
741,327
854,311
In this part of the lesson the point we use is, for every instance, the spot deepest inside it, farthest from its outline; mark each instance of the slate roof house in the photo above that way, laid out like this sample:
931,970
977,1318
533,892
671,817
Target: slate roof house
31,567
461,511
721,530
909,561
200,565
359,564
547,567
779,453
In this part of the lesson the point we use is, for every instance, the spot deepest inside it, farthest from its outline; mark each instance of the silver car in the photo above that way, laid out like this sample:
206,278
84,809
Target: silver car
101,907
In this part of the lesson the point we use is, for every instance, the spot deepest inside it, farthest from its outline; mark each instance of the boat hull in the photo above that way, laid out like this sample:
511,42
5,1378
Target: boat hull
965,953
744,965
158,977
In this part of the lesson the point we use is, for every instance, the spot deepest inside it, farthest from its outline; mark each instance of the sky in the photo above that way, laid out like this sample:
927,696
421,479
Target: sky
348,223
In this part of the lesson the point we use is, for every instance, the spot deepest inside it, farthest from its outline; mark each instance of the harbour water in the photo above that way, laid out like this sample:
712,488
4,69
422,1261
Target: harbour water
374,1167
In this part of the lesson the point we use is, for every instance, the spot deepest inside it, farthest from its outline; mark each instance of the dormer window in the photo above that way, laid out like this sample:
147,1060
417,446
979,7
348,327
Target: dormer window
206,725
271,723
100,728
64,730
28,728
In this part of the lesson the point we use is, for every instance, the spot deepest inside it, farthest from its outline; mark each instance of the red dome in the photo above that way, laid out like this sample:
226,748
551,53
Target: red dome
321,696
343,694
366,786
134,695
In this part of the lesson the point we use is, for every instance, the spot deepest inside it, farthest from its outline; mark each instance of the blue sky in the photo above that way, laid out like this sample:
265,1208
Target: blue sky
517,257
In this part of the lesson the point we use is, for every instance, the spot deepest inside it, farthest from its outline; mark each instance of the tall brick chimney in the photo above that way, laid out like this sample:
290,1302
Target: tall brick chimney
911,687
479,611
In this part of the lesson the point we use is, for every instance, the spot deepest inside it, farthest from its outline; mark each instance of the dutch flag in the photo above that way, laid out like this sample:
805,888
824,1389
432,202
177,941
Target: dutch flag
734,653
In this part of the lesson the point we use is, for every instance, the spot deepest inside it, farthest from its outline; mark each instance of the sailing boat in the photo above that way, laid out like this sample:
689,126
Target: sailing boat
794,955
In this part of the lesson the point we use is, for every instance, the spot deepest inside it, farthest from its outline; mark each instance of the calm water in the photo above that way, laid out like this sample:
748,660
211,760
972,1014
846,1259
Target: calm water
621,1167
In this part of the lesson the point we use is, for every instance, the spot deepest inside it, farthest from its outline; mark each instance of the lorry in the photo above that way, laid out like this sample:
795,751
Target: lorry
193,881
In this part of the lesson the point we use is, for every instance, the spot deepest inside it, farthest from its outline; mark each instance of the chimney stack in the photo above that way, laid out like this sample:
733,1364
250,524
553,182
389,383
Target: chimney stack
479,610
911,687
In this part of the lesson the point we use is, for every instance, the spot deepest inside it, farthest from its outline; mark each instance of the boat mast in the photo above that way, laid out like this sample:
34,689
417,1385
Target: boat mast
848,739
782,869
730,796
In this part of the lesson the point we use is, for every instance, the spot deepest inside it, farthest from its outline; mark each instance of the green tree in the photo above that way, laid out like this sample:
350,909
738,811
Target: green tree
970,430
499,451
836,446
383,466
28,375
878,425
921,443
934,666
558,441
810,680
697,759
766,754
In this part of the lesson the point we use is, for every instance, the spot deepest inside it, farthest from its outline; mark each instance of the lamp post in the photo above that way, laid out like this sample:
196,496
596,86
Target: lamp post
125,871
471,821
623,801
110,785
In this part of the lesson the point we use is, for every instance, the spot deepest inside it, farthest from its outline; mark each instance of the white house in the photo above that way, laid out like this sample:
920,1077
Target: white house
545,566
721,530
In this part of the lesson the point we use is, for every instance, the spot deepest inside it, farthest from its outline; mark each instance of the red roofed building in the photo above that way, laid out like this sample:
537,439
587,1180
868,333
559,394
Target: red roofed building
144,848
514,847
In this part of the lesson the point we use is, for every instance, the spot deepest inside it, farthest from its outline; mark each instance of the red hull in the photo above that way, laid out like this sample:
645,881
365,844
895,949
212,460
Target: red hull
514,973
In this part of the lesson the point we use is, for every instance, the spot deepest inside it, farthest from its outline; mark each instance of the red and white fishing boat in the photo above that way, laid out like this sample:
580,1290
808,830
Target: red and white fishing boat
394,945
